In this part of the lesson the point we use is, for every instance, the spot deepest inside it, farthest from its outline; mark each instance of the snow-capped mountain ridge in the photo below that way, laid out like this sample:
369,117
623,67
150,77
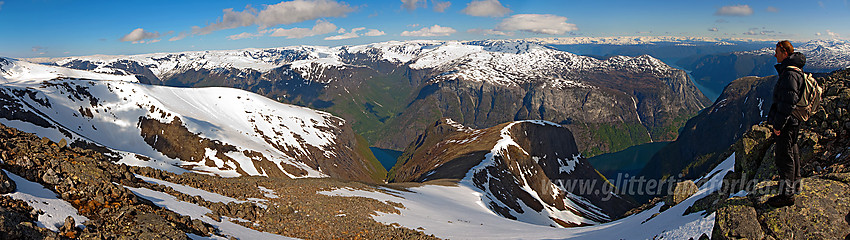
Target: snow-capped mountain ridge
820,54
220,131
512,56
521,170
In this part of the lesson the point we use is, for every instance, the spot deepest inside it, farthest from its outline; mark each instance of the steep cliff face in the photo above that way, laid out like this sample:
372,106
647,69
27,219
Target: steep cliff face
391,91
530,171
220,131
744,102
613,103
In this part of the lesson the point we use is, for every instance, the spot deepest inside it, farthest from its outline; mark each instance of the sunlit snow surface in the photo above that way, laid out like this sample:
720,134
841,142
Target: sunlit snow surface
229,229
248,121
208,196
38,197
456,212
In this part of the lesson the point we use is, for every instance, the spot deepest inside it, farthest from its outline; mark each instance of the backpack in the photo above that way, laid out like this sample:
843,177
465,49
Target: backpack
810,97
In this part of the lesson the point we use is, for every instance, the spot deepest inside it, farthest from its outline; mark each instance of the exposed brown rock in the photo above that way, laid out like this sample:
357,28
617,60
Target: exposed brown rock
6,183
681,191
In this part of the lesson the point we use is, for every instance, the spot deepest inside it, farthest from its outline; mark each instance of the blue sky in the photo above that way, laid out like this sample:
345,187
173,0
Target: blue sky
50,28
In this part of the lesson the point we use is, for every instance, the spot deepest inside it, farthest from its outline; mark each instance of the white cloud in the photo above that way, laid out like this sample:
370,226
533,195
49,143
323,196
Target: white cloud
374,33
1,5
344,35
488,32
244,35
433,31
772,9
348,35
301,10
353,34
412,4
440,6
833,34
737,10
140,34
714,29
321,27
413,25
486,8
817,34
38,48
179,36
755,31
230,19
537,23
282,13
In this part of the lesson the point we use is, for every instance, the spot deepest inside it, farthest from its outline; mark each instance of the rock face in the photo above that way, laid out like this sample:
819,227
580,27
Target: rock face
614,103
745,102
222,131
527,170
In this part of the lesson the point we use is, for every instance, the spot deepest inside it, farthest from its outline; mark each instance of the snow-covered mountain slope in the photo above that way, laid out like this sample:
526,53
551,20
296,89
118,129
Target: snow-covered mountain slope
458,212
524,170
221,131
821,55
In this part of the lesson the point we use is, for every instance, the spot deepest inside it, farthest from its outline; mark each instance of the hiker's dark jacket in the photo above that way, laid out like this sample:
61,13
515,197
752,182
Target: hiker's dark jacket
787,91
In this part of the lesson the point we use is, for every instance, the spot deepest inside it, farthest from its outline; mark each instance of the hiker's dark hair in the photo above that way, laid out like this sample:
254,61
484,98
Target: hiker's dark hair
785,46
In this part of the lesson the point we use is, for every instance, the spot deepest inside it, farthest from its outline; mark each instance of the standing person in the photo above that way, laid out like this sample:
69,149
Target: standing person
786,128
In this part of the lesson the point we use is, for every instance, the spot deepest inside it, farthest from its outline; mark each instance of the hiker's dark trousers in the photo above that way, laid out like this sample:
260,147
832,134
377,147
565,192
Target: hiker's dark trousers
788,157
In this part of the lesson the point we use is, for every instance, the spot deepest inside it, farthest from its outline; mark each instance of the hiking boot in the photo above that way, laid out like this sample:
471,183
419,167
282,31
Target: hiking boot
781,200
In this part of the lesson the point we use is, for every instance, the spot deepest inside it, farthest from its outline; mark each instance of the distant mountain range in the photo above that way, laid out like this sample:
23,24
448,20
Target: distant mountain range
390,92
717,70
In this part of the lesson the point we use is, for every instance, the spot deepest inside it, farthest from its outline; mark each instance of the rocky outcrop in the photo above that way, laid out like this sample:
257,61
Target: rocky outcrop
86,179
521,168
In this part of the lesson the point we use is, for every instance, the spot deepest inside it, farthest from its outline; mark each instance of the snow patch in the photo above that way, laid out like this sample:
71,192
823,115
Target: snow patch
55,209
227,228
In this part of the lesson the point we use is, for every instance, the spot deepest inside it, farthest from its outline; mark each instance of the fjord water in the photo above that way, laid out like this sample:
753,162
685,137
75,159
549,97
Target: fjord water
387,157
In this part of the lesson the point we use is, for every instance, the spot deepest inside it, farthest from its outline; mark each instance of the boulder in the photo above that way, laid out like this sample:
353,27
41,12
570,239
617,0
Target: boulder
751,149
51,177
6,183
681,191
819,212
736,219
767,167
